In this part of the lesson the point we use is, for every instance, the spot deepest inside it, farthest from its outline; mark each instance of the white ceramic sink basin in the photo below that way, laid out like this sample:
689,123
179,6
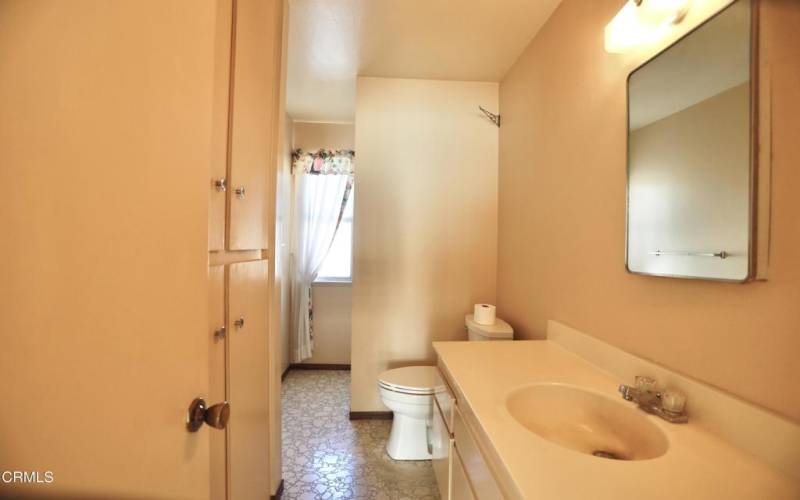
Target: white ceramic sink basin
587,422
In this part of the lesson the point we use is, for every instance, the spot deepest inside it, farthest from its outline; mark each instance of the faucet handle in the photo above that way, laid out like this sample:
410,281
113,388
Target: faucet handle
645,383
673,401
625,390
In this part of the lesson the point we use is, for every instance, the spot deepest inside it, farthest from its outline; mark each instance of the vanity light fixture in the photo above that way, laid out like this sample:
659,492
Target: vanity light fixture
643,21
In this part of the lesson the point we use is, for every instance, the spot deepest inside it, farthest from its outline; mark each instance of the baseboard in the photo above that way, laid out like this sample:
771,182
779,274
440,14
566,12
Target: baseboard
285,372
371,415
279,493
317,366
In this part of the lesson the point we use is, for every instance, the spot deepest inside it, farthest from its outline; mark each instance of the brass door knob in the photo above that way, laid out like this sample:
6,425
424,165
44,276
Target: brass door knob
216,416
220,334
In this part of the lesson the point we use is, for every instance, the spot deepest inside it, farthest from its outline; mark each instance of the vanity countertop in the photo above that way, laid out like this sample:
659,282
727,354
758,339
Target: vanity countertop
697,465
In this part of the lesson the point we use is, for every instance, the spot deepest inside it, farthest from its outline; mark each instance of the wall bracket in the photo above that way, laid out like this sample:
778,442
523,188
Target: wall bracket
495,118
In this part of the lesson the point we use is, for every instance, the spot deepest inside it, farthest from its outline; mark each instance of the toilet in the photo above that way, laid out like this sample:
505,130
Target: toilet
409,391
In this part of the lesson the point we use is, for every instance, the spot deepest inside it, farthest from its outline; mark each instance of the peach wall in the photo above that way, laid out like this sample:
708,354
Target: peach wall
333,305
315,135
425,221
561,219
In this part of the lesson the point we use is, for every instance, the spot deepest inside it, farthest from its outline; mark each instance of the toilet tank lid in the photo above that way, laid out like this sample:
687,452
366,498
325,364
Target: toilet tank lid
500,329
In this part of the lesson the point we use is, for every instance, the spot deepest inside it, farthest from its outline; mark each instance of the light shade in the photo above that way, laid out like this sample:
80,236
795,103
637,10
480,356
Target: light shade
643,22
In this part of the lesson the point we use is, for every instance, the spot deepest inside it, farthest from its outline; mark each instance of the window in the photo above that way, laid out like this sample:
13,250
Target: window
338,262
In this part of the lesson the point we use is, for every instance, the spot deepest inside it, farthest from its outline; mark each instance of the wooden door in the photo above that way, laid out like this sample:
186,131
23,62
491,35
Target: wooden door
256,56
217,390
218,180
248,380
105,126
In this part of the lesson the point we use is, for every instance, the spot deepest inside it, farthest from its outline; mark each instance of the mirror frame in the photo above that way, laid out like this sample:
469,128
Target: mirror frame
753,229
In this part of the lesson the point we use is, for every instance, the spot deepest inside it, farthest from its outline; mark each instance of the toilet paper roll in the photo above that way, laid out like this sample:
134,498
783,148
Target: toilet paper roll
484,314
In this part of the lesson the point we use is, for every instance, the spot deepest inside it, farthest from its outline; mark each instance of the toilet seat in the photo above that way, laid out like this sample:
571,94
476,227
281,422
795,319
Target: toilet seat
412,380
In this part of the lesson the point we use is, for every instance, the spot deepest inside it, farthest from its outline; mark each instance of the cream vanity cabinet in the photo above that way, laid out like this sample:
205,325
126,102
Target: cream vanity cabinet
461,470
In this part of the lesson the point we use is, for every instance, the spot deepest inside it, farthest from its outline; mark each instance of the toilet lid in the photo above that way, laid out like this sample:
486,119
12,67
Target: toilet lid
411,379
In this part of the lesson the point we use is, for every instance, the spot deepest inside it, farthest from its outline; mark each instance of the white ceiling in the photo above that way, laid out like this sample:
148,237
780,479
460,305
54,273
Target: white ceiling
333,41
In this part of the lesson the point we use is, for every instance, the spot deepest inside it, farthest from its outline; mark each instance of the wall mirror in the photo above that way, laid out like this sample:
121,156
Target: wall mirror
691,162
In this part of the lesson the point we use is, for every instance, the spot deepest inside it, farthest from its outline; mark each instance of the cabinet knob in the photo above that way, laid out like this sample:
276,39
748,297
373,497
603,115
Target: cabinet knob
239,323
220,334
216,416
221,184
240,192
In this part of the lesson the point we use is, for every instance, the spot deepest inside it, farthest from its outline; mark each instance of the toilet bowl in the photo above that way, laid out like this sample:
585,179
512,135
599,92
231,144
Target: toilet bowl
409,391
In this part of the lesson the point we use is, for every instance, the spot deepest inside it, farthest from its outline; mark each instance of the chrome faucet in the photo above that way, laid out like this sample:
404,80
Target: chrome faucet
668,405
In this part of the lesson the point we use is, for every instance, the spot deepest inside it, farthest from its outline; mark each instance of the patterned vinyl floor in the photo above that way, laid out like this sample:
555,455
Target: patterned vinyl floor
325,455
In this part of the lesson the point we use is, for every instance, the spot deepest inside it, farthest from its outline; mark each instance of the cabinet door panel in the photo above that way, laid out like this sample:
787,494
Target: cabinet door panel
248,380
461,489
216,372
445,399
442,450
475,466
252,129
219,138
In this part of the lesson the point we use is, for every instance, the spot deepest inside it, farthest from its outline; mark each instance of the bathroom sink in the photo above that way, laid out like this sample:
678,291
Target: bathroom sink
586,422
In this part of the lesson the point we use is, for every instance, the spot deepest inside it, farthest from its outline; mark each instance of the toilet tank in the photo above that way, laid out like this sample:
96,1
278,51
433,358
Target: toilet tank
500,330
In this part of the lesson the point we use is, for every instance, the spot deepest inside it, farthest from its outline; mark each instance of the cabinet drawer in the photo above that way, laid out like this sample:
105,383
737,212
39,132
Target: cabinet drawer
476,468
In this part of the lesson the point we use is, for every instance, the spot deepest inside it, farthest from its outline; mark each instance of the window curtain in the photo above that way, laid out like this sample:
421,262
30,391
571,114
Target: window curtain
323,181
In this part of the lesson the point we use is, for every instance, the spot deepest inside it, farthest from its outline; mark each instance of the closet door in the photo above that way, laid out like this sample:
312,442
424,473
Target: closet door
216,334
248,380
218,181
255,78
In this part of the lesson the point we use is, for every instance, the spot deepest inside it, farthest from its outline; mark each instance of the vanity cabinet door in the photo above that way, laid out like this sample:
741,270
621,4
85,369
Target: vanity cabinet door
475,466
460,488
253,116
445,399
248,380
442,448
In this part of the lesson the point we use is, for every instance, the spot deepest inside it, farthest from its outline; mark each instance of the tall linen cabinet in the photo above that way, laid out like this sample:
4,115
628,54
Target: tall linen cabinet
244,367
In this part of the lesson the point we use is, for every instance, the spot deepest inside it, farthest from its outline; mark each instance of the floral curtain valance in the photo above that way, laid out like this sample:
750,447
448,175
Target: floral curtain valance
323,162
